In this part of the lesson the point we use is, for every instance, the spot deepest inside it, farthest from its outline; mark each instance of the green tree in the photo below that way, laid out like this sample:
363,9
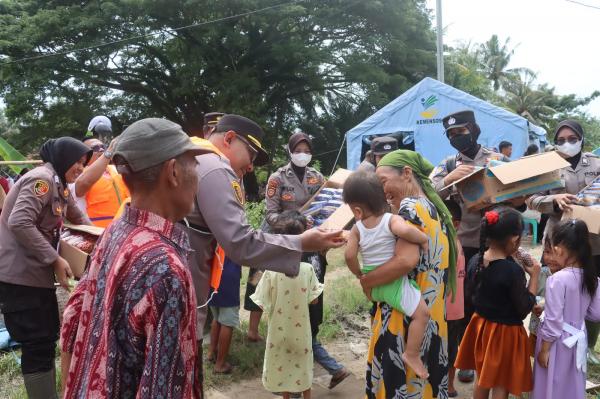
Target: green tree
283,67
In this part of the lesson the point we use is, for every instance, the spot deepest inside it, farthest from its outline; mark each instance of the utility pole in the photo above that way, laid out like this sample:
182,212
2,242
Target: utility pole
440,41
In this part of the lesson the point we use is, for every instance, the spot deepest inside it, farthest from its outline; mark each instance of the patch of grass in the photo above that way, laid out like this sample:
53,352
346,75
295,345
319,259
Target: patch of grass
342,299
245,356
11,381
335,259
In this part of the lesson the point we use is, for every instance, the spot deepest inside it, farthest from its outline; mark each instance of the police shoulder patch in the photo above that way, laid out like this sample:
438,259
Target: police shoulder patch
41,188
272,187
237,191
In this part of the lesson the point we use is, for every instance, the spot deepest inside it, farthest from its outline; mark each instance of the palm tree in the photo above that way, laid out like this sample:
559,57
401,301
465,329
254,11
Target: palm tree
525,98
495,58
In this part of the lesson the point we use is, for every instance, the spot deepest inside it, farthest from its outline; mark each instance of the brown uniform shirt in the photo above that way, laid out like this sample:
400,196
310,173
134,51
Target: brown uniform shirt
219,213
29,227
575,180
470,225
285,192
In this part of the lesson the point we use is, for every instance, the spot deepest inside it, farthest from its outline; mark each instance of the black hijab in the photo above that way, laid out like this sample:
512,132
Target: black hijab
63,153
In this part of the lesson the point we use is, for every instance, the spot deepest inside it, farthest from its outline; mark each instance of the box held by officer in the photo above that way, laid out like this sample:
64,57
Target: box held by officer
326,207
588,207
76,243
503,181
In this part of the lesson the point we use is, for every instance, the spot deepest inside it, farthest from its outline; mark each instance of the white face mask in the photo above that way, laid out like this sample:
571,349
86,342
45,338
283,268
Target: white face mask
301,159
570,150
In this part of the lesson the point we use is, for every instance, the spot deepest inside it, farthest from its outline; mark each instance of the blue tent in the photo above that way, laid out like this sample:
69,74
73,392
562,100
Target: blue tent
417,115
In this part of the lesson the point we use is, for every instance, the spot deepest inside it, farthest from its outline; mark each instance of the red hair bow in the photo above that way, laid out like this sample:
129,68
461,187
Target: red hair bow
492,217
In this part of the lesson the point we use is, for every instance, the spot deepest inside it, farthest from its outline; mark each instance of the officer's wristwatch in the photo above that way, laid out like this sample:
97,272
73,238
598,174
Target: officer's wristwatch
108,154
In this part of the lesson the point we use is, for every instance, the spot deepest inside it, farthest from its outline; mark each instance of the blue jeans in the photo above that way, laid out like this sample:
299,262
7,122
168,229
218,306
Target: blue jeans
324,359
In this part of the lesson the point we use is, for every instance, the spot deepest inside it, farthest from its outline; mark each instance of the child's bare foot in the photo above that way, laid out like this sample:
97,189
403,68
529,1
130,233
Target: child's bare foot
415,363
254,338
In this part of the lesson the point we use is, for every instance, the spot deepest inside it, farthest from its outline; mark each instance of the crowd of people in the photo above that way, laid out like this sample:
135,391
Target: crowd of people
449,284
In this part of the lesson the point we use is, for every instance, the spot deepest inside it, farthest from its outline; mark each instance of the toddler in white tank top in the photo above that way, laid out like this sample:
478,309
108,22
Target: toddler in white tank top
374,237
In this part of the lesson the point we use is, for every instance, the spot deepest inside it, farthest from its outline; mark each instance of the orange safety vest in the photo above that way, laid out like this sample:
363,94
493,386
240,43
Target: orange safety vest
106,197
218,260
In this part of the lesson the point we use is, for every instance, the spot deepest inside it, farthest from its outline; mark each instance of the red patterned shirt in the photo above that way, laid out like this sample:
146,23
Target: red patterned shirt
130,324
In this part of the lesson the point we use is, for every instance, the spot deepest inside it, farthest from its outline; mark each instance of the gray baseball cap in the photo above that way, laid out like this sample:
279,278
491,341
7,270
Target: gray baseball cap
152,141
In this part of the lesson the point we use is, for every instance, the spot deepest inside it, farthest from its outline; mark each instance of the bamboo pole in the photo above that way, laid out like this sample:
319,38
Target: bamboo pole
33,162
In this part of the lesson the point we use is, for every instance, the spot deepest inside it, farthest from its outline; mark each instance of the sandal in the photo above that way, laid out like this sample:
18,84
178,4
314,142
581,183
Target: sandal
339,377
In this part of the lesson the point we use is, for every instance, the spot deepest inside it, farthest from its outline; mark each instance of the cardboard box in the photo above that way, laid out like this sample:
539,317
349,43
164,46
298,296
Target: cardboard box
590,215
501,181
76,258
342,216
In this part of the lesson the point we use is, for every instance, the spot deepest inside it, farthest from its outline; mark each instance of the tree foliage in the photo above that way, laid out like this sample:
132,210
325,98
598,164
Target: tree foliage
287,66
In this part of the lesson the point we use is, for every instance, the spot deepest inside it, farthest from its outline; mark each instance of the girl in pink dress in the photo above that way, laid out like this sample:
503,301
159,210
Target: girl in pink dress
572,296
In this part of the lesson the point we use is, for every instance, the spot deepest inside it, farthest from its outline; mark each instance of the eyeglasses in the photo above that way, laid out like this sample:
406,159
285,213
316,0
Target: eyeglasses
99,148
251,150
570,140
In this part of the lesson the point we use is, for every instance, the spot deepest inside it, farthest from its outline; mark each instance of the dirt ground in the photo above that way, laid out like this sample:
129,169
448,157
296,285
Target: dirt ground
350,350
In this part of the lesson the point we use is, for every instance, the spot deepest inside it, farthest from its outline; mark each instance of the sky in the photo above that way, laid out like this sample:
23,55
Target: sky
558,39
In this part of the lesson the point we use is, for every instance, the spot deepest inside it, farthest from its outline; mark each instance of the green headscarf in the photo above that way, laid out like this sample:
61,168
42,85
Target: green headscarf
422,168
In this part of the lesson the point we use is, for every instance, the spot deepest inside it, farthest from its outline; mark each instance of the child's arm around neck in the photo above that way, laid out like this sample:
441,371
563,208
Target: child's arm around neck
402,229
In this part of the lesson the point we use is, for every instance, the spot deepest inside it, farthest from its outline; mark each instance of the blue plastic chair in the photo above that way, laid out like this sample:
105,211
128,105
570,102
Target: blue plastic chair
534,228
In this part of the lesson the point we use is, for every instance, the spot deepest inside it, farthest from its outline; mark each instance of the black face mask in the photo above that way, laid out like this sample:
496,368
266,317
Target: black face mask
465,143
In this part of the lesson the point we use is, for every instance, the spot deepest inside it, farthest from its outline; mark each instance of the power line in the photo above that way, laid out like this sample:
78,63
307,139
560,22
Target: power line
37,57
583,4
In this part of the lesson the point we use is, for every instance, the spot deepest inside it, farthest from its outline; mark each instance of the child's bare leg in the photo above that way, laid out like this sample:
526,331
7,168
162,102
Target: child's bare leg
286,395
481,393
451,375
306,394
499,393
416,332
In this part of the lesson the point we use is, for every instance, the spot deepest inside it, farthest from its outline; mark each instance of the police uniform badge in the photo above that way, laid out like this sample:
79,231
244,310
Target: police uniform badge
272,188
237,191
40,188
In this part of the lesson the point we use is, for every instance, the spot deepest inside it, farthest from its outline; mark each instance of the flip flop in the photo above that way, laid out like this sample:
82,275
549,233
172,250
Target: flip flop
452,394
339,377
228,370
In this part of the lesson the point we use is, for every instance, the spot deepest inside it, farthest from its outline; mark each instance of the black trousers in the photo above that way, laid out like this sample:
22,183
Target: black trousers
31,318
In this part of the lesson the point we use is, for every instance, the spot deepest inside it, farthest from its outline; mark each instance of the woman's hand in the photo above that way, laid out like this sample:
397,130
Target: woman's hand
63,272
564,201
366,289
543,358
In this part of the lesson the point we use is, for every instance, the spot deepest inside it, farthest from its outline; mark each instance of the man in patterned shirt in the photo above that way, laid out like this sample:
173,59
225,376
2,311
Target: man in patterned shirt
129,329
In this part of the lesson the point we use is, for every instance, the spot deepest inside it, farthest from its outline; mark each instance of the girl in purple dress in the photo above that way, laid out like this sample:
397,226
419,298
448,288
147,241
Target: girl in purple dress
571,298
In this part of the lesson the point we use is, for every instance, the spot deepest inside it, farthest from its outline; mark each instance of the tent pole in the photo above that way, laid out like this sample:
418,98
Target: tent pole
338,156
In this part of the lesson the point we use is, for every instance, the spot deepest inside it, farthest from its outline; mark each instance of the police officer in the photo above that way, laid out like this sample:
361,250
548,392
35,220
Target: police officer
219,215
462,131
210,122
292,185
380,146
585,167
29,261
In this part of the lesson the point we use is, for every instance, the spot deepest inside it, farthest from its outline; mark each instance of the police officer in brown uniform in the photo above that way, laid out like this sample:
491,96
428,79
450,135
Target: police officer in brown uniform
585,167
380,146
463,132
29,261
292,185
219,215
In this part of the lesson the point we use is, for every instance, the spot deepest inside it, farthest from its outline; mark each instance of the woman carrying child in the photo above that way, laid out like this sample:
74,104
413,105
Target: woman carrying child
288,364
374,236
495,342
572,296
404,176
